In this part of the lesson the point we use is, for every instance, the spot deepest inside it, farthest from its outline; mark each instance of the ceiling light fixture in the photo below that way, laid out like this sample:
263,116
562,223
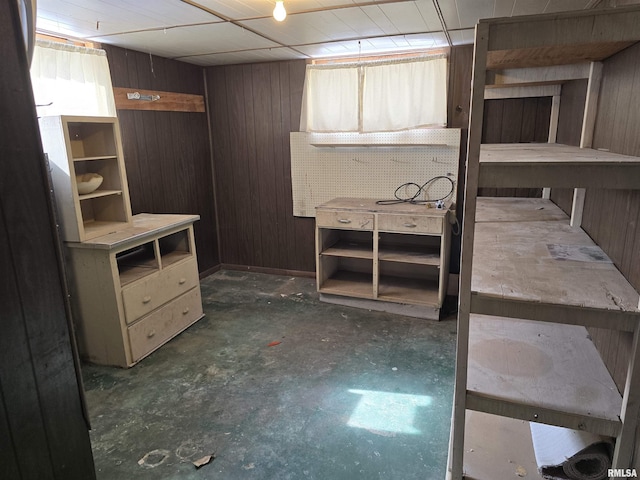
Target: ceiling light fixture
279,13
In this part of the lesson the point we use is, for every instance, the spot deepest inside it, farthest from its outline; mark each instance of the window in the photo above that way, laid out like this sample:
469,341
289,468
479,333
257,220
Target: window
71,80
376,96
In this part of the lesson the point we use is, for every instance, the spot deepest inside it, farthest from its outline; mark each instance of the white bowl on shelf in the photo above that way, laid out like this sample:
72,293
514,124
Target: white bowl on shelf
88,182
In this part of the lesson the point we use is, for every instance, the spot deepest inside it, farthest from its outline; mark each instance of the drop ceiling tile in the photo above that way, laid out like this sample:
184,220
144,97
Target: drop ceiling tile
192,40
449,9
83,19
529,7
408,18
429,15
250,56
470,11
503,8
565,5
462,37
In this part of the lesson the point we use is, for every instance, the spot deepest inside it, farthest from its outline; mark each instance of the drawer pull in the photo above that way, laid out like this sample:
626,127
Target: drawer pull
151,333
182,280
410,225
185,311
344,220
146,299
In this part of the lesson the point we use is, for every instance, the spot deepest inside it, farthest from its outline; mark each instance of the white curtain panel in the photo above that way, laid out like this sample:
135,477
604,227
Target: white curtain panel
405,94
71,80
330,99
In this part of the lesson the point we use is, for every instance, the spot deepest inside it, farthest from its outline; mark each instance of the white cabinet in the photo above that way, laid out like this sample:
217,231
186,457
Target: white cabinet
383,257
135,289
530,281
78,146
134,279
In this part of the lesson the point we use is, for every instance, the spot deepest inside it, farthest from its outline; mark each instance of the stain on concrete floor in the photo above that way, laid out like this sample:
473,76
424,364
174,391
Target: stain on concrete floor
346,394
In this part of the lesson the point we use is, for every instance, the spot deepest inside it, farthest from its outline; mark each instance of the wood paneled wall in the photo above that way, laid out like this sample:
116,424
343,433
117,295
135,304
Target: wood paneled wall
253,108
515,120
572,101
167,154
459,103
611,217
43,433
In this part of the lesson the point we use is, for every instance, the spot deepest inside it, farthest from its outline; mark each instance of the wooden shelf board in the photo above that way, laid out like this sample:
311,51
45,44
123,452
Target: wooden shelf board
377,145
518,366
408,290
144,226
498,448
530,165
129,274
513,261
99,193
351,284
350,249
508,209
99,157
174,257
92,227
411,255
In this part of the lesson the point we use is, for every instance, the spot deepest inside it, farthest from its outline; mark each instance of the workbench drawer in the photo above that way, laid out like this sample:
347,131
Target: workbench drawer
344,219
410,224
144,296
160,326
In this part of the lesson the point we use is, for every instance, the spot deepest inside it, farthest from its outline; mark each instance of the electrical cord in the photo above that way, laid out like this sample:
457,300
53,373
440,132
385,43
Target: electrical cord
420,188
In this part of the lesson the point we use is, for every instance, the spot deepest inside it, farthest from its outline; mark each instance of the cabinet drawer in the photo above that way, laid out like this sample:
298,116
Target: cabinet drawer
158,288
163,324
410,224
344,219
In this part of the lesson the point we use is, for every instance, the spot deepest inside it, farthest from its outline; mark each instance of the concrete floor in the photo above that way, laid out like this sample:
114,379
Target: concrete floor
347,394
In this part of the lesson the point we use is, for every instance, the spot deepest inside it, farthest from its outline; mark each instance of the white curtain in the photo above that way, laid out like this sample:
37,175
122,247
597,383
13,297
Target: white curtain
375,97
330,99
71,80
407,94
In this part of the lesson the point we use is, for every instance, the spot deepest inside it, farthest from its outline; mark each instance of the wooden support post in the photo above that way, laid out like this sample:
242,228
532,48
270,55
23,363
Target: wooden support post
456,453
623,453
553,132
586,136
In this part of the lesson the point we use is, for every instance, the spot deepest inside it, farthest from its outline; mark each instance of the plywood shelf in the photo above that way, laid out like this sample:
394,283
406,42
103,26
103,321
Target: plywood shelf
408,290
539,371
545,264
350,284
498,448
98,194
413,255
98,157
349,249
377,145
531,165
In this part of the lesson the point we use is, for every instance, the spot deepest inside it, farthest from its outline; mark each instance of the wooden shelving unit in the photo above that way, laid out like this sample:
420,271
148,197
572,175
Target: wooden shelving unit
391,257
530,282
78,145
134,279
135,289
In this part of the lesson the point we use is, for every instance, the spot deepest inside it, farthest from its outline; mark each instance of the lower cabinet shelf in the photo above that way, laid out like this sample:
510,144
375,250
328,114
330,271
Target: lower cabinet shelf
135,289
393,256
498,447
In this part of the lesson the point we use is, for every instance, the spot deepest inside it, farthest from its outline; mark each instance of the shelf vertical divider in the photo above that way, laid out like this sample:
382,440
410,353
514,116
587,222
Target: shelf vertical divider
469,214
